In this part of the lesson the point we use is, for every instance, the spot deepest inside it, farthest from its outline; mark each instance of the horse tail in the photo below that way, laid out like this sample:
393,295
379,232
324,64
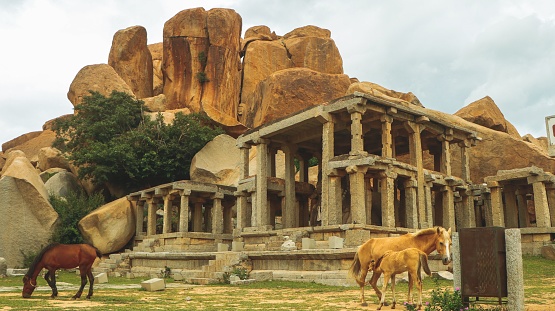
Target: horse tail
424,263
98,252
354,271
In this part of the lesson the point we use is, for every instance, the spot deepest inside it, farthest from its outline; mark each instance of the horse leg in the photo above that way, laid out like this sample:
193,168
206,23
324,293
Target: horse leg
50,278
382,299
362,283
83,283
374,283
411,283
91,282
393,291
419,287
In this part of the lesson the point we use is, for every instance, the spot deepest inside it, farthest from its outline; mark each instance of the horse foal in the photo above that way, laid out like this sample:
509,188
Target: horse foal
392,263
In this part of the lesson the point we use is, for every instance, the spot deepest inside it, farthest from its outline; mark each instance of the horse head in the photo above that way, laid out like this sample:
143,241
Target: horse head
443,244
28,287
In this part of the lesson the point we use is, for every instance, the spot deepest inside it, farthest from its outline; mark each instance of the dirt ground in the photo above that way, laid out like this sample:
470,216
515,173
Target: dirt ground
262,296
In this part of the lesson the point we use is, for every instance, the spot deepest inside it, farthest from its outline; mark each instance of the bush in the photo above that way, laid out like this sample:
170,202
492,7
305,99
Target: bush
445,300
71,210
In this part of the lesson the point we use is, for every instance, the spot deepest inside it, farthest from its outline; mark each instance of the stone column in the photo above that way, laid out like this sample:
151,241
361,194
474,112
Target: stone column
151,217
515,274
523,219
228,215
197,216
327,153
415,149
184,210
445,162
243,214
272,161
368,199
387,141
387,189
357,140
551,201
448,208
167,225
358,198
543,219
465,160
496,210
140,210
262,207
217,213
410,203
335,212
244,168
469,215
288,209
427,217
511,206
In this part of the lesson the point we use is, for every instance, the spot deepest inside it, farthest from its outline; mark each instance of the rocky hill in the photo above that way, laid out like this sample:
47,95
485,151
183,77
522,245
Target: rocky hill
203,65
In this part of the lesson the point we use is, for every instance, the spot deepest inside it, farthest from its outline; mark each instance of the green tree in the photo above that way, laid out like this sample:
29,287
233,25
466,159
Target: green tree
110,139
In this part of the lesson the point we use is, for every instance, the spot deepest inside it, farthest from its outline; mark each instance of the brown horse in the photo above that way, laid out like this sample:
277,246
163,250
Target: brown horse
392,263
61,256
426,240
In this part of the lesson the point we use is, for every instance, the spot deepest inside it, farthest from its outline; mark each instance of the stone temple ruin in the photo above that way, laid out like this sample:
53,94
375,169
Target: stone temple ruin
384,168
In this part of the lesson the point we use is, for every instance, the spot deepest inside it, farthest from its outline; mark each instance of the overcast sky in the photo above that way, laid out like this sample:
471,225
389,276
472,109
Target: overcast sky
448,53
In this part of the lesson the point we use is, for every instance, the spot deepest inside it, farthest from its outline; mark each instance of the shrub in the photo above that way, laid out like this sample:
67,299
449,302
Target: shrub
71,210
445,300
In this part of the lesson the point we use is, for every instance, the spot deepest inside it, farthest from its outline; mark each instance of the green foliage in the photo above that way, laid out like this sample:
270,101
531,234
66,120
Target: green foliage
29,257
445,300
110,140
202,58
71,210
241,272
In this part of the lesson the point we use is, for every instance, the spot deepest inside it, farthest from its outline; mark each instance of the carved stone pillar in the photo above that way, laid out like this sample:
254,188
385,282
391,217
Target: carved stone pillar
415,149
511,206
496,210
328,144
262,206
217,213
151,217
184,210
543,219
357,192
411,203
357,140
140,211
387,189
387,140
448,208
289,213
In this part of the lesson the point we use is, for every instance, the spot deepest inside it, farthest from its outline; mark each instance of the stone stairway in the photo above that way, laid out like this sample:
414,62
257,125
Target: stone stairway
216,269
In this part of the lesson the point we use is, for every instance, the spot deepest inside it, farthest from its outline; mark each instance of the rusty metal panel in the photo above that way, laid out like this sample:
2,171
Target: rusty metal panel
483,262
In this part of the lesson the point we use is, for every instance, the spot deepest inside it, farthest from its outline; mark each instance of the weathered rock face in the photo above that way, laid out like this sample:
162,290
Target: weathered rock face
32,146
101,78
50,157
218,162
158,76
486,113
19,140
382,92
289,91
28,218
131,59
201,60
319,54
62,184
110,227
156,103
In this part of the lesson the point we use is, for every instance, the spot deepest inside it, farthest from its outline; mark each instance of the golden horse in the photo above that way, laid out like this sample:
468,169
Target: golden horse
426,240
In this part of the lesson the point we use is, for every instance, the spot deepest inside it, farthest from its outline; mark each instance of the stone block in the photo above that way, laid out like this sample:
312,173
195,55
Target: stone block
548,251
261,275
223,247
355,238
335,242
154,284
3,267
308,243
177,277
237,246
101,278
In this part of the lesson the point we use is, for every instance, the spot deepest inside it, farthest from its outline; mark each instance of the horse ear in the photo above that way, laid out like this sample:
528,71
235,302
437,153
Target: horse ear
449,231
438,230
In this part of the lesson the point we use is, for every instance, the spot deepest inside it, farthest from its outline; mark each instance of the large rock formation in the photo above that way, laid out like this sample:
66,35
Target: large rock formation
289,91
101,78
28,218
110,227
131,59
486,113
50,157
201,60
62,184
32,145
218,162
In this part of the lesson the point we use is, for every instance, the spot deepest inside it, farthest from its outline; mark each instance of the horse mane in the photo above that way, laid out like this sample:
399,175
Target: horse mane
426,231
38,258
